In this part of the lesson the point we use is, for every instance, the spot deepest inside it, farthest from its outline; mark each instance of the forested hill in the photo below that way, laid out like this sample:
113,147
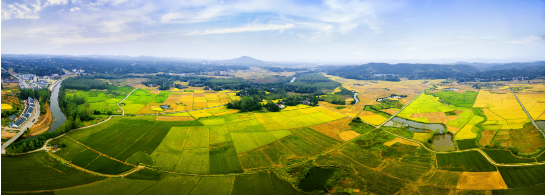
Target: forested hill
412,71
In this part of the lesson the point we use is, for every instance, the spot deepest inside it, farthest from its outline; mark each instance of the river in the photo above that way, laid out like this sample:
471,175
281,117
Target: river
293,79
58,116
356,98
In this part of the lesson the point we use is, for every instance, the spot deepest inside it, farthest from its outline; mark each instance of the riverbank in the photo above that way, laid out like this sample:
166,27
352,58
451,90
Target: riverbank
42,125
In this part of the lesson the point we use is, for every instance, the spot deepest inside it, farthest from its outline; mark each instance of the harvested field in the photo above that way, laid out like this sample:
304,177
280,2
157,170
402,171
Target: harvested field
402,141
433,117
390,111
486,138
42,124
175,118
481,181
443,178
348,135
453,130
527,139
333,128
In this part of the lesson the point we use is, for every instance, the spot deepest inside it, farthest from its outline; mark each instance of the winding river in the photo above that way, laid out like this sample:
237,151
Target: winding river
58,116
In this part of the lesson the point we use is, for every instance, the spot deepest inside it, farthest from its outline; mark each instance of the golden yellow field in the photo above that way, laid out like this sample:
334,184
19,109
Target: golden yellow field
533,103
334,128
372,118
218,111
348,135
502,110
481,181
6,107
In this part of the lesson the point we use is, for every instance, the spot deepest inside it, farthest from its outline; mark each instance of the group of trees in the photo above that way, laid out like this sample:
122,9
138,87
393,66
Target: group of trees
311,83
293,100
84,84
246,104
340,101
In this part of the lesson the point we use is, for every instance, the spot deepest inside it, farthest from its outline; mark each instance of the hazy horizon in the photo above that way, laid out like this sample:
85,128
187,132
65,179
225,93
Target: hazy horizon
329,32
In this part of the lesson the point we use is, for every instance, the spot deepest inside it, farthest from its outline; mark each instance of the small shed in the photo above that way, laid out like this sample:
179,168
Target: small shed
164,107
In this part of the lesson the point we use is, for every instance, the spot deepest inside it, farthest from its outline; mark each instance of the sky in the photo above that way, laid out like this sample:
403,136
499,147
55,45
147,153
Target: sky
330,31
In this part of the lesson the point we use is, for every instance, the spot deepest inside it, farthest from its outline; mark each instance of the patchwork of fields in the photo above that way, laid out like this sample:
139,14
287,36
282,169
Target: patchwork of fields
145,101
259,152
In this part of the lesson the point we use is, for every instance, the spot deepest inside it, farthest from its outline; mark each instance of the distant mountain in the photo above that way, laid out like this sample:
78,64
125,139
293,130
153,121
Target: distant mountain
413,71
501,66
242,60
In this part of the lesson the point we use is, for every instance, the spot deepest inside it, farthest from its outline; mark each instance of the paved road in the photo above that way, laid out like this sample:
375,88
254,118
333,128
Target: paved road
33,117
523,107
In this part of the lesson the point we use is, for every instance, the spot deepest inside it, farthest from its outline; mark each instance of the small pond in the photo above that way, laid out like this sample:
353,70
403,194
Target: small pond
443,143
316,179
433,127
540,124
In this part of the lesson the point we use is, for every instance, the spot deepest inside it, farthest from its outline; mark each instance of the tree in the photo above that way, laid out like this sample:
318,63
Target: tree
27,131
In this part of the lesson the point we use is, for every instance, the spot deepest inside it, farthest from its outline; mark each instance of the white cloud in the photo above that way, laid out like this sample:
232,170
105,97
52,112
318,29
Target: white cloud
249,28
21,11
74,9
57,2
529,40
79,39
412,48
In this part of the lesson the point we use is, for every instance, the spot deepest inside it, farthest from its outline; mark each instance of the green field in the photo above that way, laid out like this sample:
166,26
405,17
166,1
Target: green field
471,161
108,166
466,144
253,184
110,186
141,97
103,101
506,157
465,100
145,174
23,174
522,176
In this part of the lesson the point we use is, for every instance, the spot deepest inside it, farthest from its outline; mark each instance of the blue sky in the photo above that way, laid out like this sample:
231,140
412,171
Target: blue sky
328,31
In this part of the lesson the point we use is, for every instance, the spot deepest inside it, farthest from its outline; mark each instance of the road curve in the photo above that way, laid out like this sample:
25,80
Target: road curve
122,110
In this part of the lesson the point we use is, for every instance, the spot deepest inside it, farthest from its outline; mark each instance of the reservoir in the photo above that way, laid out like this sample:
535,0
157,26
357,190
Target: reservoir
58,116
443,143
419,125
316,179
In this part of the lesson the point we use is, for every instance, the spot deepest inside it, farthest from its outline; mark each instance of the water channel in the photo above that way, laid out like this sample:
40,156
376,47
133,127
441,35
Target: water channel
433,127
58,116
356,98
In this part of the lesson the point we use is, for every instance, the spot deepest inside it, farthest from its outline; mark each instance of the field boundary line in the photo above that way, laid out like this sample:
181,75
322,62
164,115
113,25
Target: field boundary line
101,154
525,110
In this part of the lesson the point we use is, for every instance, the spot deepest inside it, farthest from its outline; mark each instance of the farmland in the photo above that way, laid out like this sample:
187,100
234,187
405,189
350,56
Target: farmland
145,101
242,152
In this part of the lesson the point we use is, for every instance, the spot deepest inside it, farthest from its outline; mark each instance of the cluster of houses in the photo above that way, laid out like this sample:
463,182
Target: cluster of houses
25,116
390,97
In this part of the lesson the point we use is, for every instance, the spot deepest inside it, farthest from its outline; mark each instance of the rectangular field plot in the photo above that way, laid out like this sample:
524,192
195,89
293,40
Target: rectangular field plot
194,161
471,161
108,166
198,137
505,156
110,186
263,137
522,175
243,141
223,159
277,153
27,175
253,184
254,160
169,150
300,146
173,184
466,144
213,185
219,134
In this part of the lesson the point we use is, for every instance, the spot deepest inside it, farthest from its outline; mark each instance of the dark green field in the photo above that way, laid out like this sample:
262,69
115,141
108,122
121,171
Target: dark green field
505,156
23,174
108,166
465,100
522,176
223,159
472,161
467,144
84,158
145,174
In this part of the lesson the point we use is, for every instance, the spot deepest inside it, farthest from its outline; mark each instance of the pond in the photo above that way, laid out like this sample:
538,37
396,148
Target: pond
418,125
58,116
443,143
316,179
540,124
